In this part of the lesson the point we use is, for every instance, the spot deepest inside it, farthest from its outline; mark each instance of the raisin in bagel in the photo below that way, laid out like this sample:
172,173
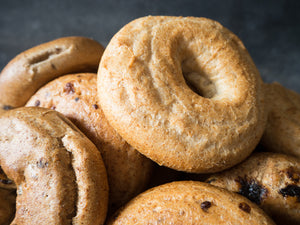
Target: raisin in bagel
271,180
190,202
59,173
144,95
33,68
282,132
75,96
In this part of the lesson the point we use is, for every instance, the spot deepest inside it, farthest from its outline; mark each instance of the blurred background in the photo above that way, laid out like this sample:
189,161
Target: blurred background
270,29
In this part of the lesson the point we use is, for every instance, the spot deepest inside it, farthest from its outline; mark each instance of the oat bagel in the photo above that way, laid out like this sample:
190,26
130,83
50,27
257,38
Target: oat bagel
282,132
33,68
75,96
59,173
143,82
190,202
271,180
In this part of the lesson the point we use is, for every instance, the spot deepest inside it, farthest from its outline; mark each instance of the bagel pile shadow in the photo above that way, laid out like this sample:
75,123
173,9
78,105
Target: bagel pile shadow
171,123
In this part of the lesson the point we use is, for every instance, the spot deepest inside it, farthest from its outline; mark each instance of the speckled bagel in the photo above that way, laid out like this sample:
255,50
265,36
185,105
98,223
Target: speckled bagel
59,173
75,96
271,180
189,202
33,68
282,132
182,91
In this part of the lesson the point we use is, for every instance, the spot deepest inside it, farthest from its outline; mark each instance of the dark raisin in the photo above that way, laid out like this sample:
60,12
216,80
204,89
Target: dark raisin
205,205
252,190
95,106
42,163
7,107
69,88
37,103
245,207
292,174
291,190
76,99
53,107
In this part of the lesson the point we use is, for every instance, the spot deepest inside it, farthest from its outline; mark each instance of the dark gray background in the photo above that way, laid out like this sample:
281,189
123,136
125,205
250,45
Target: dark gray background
269,29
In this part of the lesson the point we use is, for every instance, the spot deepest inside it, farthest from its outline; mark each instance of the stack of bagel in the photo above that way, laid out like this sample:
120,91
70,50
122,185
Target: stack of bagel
171,123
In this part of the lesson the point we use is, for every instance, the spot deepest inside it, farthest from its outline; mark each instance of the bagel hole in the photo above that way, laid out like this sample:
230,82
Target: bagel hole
200,84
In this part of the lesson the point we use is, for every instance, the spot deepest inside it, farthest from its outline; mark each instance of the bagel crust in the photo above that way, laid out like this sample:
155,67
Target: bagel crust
59,173
190,202
33,68
182,91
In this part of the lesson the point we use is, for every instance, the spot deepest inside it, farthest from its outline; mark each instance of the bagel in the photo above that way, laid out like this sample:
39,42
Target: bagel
190,202
58,172
33,68
75,96
282,132
271,180
145,96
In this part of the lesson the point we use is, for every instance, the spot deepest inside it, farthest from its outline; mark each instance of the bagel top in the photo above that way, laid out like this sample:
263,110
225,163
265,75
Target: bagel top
33,68
182,91
190,202
59,173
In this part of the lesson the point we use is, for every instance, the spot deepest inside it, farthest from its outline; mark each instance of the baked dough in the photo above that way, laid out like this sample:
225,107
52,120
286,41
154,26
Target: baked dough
271,180
75,96
33,68
282,132
59,173
143,91
190,202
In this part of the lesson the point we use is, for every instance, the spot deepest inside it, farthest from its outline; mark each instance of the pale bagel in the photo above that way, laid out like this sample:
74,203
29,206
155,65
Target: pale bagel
144,95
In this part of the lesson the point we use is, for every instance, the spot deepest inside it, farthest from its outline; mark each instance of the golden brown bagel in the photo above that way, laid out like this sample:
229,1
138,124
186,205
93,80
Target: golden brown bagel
188,202
144,95
282,132
59,173
75,96
271,180
33,68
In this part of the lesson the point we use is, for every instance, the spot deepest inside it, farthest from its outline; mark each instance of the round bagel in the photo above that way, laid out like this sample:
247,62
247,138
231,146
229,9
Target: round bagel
271,180
58,172
75,96
190,202
33,68
282,132
143,82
